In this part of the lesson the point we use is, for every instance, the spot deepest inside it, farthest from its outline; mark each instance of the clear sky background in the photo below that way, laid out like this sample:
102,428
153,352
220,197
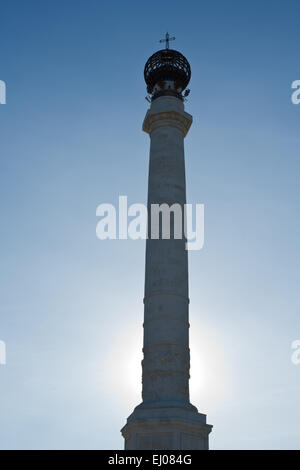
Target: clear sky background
71,308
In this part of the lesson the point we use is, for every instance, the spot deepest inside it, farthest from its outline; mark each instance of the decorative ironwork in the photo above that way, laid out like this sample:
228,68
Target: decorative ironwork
167,72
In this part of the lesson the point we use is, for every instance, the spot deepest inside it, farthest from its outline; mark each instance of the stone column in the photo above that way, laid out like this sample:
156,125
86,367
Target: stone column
166,338
166,419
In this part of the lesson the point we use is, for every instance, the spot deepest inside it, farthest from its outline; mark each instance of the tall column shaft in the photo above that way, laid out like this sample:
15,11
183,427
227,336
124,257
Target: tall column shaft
166,328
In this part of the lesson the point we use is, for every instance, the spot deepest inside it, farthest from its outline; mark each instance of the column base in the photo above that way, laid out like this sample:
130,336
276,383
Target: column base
166,428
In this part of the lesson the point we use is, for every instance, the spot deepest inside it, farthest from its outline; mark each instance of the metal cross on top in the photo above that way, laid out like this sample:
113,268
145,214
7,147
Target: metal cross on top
167,39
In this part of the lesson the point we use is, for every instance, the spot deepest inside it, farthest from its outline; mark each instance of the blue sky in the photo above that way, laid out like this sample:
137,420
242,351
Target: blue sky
71,306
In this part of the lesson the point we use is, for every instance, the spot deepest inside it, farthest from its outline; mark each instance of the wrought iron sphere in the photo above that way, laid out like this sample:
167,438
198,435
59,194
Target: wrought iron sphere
167,64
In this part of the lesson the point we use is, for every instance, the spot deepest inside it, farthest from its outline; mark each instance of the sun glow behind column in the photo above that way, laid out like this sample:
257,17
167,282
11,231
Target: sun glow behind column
209,369
124,359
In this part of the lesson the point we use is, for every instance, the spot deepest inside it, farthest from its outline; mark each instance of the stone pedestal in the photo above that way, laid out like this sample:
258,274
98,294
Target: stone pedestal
169,428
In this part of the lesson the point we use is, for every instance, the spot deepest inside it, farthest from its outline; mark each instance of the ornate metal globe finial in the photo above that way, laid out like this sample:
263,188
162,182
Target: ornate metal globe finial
167,72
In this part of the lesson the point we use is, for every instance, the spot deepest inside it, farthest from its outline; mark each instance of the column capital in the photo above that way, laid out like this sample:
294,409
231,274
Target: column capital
168,118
